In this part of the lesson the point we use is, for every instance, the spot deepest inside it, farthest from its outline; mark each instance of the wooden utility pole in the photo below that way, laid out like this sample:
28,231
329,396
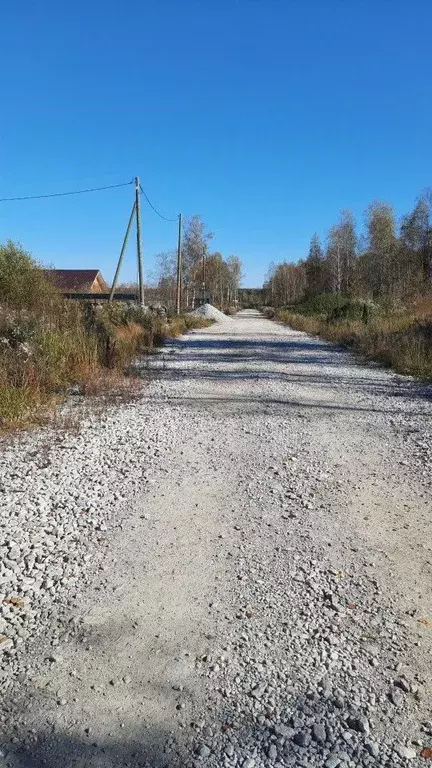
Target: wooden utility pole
126,237
203,275
138,229
179,265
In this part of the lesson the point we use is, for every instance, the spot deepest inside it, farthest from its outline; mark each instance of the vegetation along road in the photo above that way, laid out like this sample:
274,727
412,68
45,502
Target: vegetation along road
232,569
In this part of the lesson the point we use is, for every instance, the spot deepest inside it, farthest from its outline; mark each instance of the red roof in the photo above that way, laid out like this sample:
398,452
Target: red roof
80,280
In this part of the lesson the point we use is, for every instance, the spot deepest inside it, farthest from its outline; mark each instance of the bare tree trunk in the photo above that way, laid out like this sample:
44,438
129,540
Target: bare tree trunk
338,270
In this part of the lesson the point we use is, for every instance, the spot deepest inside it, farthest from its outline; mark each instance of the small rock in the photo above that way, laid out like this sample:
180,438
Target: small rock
360,723
319,733
258,690
372,748
396,697
406,752
402,683
302,739
332,761
204,751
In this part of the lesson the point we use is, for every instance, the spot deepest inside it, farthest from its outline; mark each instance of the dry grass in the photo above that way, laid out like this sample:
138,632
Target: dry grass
62,344
400,341
112,384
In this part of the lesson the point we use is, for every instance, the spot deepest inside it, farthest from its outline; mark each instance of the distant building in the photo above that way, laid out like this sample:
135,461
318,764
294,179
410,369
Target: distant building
77,280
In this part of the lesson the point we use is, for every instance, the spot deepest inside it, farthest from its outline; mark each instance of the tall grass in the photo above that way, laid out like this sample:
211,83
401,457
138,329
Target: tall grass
48,344
399,339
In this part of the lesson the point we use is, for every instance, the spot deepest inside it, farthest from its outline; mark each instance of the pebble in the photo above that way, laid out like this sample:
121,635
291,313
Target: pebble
372,748
360,723
396,697
204,751
319,733
302,739
405,752
332,761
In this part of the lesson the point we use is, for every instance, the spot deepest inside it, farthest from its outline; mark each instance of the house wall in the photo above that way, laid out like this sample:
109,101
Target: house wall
98,285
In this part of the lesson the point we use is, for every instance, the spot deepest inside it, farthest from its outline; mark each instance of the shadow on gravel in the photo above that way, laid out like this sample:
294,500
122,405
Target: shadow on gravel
217,343
244,733
249,404
239,360
64,751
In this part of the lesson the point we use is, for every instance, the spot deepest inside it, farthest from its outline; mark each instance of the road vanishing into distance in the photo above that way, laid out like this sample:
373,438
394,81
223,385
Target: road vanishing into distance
233,568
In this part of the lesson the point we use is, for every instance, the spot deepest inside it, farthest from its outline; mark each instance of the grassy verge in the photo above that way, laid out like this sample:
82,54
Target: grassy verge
399,339
77,345
49,344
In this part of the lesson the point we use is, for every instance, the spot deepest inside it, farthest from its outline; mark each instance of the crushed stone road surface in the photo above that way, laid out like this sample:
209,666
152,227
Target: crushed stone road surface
234,569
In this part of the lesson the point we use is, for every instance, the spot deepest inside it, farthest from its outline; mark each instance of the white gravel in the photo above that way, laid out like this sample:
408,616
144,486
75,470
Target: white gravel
209,312
233,570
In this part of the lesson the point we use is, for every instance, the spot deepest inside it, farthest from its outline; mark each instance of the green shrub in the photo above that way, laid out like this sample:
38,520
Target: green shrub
324,304
16,404
23,284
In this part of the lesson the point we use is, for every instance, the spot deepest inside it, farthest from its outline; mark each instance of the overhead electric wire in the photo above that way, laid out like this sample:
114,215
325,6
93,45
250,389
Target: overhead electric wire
154,209
63,194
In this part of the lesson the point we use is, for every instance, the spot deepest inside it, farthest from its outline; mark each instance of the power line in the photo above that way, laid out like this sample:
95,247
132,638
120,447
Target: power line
63,194
154,209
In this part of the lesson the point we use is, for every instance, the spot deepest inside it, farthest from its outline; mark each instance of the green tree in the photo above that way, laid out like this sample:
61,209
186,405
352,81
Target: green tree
341,254
166,277
382,248
235,276
416,236
315,268
23,283
195,249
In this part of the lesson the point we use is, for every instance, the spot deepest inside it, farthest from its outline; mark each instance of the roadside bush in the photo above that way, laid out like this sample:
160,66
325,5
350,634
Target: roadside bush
323,304
193,322
48,343
269,312
22,282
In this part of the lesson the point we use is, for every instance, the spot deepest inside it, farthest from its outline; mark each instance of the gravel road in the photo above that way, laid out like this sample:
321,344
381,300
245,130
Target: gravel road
233,569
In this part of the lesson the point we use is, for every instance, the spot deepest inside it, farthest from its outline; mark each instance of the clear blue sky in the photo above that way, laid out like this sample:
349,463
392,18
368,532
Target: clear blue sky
265,116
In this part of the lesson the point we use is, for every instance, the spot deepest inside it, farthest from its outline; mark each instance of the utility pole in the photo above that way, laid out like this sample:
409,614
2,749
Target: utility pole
179,264
138,229
113,287
203,275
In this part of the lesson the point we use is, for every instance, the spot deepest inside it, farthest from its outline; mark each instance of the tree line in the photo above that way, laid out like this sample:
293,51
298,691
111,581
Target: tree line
386,261
206,275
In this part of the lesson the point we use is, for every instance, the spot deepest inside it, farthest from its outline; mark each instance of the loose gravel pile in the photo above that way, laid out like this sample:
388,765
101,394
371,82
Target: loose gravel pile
209,312
232,571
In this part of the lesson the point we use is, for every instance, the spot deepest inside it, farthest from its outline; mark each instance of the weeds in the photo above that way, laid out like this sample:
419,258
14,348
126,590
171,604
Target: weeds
48,344
396,337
